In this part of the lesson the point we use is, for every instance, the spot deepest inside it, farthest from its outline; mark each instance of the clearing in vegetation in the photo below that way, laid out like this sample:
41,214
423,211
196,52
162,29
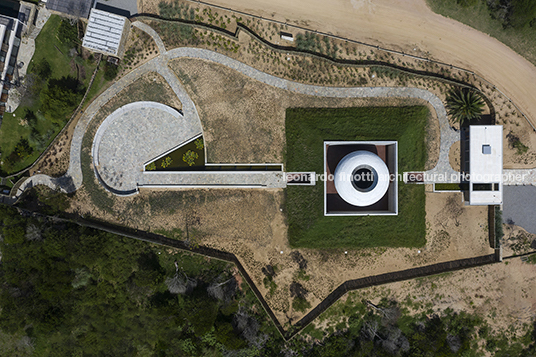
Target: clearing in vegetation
307,129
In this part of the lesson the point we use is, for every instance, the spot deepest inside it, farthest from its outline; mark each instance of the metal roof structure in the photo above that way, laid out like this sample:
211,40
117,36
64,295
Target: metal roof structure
486,164
104,32
77,8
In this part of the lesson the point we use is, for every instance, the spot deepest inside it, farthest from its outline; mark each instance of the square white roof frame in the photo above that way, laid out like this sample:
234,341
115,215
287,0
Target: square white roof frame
105,32
483,167
395,183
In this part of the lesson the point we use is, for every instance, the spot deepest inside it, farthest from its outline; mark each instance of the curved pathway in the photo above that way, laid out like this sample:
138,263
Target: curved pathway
72,180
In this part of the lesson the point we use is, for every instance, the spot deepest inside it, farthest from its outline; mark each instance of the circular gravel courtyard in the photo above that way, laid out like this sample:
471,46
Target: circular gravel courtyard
133,135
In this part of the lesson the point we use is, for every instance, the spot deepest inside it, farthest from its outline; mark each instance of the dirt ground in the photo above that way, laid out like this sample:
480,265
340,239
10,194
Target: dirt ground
310,70
504,294
248,126
407,25
244,120
251,223
455,156
139,48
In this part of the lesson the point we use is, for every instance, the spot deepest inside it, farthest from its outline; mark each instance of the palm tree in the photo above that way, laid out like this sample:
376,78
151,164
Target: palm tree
464,104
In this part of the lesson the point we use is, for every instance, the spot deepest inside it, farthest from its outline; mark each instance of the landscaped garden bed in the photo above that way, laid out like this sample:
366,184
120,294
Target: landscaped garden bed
190,156
307,129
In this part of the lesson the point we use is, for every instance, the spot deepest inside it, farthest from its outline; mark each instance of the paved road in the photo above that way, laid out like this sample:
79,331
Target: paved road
516,201
160,65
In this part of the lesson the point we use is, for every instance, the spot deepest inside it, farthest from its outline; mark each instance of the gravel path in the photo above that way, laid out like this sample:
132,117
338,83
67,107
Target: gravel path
73,178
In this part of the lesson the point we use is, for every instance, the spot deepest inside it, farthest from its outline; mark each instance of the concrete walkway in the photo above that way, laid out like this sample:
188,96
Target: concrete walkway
73,177
519,177
26,52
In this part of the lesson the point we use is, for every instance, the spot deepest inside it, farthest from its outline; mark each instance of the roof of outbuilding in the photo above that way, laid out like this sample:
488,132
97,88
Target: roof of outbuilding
104,32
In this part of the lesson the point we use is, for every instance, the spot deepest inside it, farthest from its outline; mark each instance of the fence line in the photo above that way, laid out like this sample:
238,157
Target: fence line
331,299
388,50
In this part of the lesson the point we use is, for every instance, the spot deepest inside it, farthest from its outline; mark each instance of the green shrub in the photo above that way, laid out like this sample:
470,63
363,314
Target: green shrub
60,97
199,144
189,157
42,69
110,71
520,147
166,162
68,33
300,304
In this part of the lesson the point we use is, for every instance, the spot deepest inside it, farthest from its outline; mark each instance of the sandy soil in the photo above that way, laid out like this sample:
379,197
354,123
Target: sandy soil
238,113
454,156
504,294
244,120
139,48
309,70
405,25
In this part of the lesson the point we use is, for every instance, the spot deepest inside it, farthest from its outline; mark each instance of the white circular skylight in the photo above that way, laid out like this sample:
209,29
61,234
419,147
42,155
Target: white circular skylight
361,178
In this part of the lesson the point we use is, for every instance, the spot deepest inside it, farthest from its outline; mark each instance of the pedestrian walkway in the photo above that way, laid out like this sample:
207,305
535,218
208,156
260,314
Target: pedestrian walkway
73,178
518,177
25,54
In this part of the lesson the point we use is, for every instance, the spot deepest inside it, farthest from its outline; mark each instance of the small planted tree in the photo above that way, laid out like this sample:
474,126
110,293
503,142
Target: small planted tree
166,162
189,157
464,105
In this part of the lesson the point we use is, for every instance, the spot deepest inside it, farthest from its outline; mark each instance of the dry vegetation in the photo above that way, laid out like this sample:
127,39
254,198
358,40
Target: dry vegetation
243,121
139,48
503,294
309,69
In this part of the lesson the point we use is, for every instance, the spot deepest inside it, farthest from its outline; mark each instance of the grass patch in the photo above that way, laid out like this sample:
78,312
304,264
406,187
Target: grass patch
520,39
447,187
39,121
307,129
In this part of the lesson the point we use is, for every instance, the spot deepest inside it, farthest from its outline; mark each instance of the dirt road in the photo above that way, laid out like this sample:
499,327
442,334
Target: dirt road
408,25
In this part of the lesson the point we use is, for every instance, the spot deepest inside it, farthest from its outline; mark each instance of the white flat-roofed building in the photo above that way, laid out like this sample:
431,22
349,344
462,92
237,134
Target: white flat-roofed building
485,164
106,33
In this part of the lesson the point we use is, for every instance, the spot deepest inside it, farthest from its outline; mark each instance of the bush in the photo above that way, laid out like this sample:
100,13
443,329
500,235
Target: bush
68,33
61,97
300,304
42,69
110,71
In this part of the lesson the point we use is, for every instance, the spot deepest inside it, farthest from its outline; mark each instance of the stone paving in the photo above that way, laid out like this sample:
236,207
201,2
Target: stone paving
213,179
519,177
135,134
73,178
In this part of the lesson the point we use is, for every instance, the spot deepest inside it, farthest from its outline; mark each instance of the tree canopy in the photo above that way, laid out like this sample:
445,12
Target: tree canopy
464,105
